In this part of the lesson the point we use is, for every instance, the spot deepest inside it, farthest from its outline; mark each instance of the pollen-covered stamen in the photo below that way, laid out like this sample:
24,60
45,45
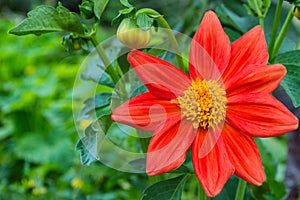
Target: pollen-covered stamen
204,103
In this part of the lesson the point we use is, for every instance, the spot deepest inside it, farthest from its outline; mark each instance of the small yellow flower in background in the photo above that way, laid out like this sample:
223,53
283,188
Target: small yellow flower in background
84,123
28,183
29,70
77,183
39,191
31,183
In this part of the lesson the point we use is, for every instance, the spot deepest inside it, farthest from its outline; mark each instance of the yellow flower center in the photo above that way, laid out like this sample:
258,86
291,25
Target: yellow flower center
204,103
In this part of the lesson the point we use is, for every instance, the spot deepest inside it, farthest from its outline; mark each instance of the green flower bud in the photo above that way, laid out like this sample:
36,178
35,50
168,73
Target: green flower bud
296,12
131,35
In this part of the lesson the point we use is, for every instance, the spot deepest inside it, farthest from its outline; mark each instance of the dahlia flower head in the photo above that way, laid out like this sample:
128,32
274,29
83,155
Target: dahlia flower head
215,111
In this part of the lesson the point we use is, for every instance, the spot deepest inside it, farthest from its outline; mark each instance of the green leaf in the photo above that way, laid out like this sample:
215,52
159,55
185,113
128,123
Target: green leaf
122,14
127,11
181,169
273,188
46,19
7,129
144,22
89,144
170,189
97,75
100,101
125,3
99,6
72,43
87,9
288,58
291,82
240,23
44,148
233,35
85,157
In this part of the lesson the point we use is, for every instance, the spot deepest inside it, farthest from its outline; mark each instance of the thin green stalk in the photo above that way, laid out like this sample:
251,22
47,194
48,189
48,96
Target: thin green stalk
165,25
143,141
260,15
275,26
201,193
241,190
262,22
282,33
105,59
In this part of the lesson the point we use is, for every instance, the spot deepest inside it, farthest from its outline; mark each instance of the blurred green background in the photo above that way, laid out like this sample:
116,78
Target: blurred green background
37,132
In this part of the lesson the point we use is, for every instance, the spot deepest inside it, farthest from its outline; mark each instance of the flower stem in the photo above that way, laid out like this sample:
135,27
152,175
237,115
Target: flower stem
241,190
282,33
165,25
201,193
275,26
262,22
143,141
105,59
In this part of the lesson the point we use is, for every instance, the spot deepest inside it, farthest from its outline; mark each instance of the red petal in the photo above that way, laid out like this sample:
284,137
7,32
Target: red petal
251,48
259,115
168,146
160,77
244,155
210,49
145,112
255,78
215,168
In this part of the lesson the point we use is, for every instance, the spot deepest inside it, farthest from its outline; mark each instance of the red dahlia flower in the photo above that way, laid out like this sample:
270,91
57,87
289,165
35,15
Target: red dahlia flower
216,111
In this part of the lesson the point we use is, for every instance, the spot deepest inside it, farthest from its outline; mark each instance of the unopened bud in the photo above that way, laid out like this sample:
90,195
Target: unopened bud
131,35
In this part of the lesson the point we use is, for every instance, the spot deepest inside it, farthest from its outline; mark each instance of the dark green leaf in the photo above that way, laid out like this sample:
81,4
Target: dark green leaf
170,189
72,43
181,169
89,144
99,6
105,122
87,9
233,35
291,82
125,3
68,43
287,45
46,19
122,14
97,75
103,111
117,19
86,158
271,189
127,10
101,100
144,22
138,90
288,58
242,24
155,24
229,190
